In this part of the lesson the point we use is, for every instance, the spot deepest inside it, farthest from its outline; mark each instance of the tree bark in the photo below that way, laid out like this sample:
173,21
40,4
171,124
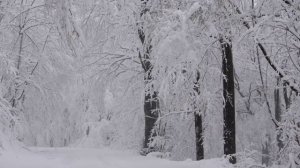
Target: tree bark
151,110
278,112
199,138
198,125
287,97
229,103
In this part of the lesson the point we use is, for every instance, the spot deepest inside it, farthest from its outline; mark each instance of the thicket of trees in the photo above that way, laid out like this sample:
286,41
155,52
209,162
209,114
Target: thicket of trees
185,77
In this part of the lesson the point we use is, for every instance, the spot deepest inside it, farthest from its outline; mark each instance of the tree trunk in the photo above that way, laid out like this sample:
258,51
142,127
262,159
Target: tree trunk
151,102
229,106
287,97
278,112
14,100
198,125
266,146
199,138
151,110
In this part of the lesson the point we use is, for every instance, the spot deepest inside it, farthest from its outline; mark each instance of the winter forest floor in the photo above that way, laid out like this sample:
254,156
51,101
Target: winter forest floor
96,158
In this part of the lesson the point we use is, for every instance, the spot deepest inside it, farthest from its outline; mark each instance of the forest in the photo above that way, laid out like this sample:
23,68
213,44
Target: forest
149,83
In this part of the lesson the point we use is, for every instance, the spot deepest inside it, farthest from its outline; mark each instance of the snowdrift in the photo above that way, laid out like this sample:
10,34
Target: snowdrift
99,158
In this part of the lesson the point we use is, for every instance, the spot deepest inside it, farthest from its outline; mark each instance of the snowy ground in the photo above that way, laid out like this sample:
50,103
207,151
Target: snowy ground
95,158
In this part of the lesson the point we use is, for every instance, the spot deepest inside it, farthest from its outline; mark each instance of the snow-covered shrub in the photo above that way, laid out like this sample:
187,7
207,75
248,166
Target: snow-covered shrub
6,125
11,119
290,134
249,159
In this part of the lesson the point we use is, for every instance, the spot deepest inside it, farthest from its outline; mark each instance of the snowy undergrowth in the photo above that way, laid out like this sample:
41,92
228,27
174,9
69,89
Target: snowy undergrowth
8,127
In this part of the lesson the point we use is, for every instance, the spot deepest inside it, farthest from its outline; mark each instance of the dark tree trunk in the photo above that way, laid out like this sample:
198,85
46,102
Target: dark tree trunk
198,125
151,104
151,110
278,112
199,138
287,96
229,106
